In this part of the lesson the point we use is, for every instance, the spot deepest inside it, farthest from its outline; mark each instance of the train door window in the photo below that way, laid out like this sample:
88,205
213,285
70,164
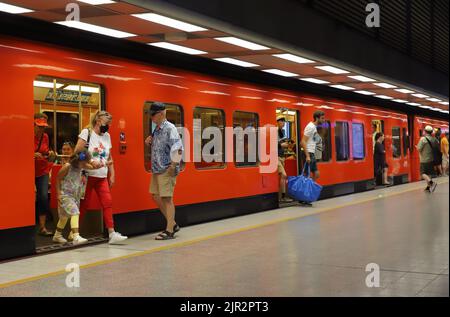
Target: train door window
68,104
377,126
324,130
341,140
174,114
245,138
292,163
212,144
405,142
396,143
358,141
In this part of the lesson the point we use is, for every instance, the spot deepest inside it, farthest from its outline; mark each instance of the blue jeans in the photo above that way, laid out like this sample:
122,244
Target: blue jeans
42,205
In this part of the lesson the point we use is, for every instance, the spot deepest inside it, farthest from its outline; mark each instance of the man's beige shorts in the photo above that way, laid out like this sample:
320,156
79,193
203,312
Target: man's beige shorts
163,184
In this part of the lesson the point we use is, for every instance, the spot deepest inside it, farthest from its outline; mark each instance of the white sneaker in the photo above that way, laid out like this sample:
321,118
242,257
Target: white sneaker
78,240
116,237
59,239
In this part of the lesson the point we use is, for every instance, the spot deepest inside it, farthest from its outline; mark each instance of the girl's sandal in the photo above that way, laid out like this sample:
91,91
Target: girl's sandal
165,235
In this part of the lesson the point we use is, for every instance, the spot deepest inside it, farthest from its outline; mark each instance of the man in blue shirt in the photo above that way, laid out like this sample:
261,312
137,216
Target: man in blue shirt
166,150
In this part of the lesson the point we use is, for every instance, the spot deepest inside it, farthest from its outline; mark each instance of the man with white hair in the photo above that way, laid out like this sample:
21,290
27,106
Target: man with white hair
426,148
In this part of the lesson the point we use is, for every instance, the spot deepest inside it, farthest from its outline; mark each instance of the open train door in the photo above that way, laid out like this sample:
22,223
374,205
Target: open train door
68,105
292,162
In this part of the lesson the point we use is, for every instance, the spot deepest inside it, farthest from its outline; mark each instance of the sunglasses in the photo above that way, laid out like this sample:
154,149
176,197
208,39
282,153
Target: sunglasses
70,143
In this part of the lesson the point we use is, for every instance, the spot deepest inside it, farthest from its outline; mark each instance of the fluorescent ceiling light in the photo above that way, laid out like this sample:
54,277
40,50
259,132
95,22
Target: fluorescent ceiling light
385,85
294,58
278,100
343,110
94,90
404,91
176,24
365,92
325,107
383,97
400,100
315,80
420,96
414,104
444,103
235,62
96,29
9,8
332,69
362,78
279,72
242,43
434,99
45,84
178,48
97,2
342,87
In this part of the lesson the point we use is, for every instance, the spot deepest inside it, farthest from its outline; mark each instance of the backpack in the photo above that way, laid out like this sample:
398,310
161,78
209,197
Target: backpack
435,149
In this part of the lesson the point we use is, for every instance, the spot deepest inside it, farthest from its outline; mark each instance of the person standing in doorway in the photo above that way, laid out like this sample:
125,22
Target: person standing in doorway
309,142
283,144
425,148
42,167
166,151
379,159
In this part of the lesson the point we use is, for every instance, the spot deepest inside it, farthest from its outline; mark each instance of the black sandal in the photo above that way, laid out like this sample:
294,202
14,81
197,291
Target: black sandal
165,235
176,228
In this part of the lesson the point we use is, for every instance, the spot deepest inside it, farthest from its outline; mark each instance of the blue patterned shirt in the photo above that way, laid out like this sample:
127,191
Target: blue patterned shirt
166,140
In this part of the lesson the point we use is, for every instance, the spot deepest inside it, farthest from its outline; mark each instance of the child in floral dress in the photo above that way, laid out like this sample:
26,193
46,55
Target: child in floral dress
69,187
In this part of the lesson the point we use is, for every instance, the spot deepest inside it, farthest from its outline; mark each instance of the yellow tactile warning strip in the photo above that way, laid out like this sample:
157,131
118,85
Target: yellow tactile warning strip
192,241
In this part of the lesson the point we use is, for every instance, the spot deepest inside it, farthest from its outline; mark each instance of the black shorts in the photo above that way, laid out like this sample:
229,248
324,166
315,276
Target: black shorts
427,168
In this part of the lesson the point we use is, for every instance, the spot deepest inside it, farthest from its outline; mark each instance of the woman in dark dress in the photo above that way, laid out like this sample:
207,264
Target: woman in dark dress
379,158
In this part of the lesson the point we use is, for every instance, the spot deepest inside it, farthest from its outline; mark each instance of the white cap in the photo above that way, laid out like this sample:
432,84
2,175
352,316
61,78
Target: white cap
429,128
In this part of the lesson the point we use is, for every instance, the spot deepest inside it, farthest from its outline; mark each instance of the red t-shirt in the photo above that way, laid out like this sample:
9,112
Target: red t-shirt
41,166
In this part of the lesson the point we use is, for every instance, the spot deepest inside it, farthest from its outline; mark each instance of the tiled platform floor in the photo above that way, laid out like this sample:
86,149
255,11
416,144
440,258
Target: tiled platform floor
295,251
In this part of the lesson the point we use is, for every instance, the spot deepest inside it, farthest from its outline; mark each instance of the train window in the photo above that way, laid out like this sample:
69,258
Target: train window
212,144
324,130
68,105
174,114
377,126
405,142
245,140
358,141
341,139
396,147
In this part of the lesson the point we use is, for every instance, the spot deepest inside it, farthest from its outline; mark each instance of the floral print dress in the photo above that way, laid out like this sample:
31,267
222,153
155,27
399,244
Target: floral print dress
71,188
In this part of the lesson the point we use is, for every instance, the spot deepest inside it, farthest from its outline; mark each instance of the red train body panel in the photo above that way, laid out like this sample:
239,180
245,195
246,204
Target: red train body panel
127,87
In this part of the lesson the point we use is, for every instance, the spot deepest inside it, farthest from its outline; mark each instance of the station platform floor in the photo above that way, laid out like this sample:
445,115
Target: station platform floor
295,251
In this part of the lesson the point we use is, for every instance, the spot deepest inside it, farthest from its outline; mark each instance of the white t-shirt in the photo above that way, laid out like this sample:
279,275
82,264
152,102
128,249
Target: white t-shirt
311,133
99,148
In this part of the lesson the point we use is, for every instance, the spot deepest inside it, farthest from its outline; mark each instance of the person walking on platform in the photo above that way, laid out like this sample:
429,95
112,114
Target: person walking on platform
425,148
379,158
166,151
69,184
444,150
97,141
309,144
282,146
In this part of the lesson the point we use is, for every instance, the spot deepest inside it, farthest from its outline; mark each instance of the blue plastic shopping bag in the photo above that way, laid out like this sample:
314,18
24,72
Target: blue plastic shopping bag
303,188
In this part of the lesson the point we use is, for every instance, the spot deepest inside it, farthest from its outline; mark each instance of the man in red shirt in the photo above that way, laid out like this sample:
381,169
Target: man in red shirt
42,167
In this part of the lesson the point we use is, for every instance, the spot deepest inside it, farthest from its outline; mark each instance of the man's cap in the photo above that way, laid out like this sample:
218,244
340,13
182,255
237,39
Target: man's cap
429,128
41,122
281,119
157,107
